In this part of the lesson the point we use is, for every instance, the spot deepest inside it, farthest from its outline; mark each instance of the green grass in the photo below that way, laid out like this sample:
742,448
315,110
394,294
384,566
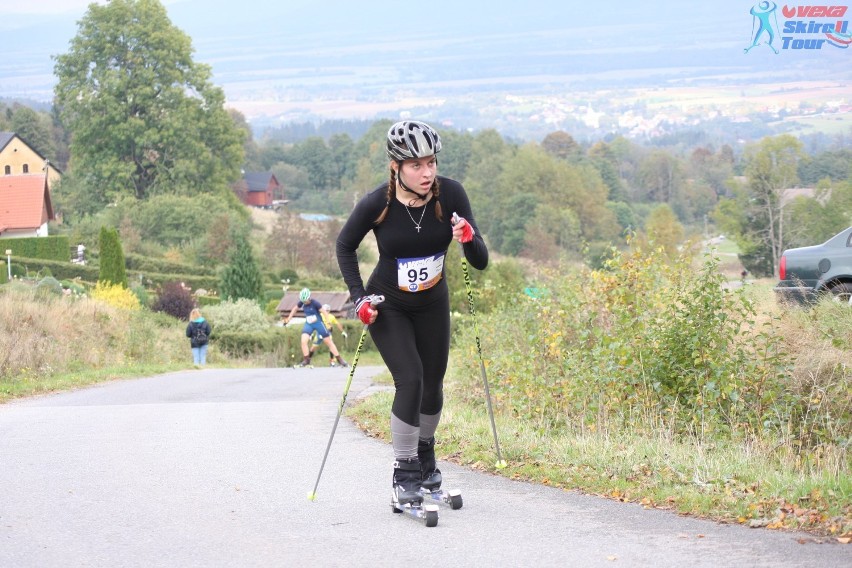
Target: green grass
728,482
23,385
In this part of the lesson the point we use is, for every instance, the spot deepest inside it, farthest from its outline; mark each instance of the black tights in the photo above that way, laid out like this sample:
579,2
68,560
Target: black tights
415,344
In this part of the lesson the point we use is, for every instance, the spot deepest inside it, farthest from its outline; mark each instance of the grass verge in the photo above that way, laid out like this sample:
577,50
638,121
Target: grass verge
24,386
724,482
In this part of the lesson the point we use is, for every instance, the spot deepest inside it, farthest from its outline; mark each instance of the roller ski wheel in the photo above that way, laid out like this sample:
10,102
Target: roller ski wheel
452,498
427,514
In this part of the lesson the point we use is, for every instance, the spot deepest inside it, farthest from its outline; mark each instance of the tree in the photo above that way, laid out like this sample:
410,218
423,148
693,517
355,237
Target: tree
241,277
664,230
112,269
771,167
661,177
144,118
561,145
35,128
606,163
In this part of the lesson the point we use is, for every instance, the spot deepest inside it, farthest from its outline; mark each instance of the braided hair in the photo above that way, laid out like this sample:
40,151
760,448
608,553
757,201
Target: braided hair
391,191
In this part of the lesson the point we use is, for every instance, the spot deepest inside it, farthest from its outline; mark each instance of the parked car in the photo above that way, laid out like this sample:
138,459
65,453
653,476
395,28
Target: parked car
807,273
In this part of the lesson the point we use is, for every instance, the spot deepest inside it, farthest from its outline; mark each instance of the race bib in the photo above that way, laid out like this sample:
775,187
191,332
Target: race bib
311,319
418,274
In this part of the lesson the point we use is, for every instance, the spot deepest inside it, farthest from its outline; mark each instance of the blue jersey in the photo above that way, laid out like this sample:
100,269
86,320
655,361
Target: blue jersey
313,318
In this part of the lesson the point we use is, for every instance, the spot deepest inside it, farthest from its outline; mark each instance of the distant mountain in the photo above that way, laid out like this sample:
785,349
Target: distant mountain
313,56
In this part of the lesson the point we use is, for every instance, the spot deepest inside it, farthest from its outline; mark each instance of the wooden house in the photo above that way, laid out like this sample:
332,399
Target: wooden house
258,189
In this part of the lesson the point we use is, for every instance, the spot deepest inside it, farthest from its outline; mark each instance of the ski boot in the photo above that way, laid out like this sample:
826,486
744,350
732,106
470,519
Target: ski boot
406,482
430,475
306,362
341,362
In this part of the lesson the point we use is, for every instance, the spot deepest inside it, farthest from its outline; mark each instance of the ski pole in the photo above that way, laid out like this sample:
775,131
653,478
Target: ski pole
501,463
375,299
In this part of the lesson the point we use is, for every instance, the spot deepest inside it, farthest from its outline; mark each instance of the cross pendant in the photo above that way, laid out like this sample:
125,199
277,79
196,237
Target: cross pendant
418,228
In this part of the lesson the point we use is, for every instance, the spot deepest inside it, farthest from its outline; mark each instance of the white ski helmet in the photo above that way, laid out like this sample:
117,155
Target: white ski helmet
304,295
412,139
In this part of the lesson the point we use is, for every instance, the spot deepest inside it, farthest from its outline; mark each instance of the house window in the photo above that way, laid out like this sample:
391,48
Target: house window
8,170
26,168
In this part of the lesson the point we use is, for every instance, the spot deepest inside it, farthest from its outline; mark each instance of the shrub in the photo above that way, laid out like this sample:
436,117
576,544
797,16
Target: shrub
50,286
141,294
115,295
272,307
174,299
646,343
75,288
242,315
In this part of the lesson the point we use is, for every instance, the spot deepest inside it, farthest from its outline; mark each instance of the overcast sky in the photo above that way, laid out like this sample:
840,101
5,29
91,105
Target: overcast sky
40,7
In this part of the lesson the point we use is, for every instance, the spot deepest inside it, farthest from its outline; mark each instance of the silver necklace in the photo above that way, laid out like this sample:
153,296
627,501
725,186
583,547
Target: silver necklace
416,224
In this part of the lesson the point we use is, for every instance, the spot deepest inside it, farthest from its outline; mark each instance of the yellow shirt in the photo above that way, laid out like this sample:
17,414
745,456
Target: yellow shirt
329,320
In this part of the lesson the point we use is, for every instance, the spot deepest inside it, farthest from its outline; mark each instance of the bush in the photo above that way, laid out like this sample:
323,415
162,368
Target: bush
645,343
174,299
116,295
75,288
240,316
50,286
272,341
141,294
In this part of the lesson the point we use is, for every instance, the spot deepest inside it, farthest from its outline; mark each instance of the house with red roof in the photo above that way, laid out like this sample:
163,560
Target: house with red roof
25,206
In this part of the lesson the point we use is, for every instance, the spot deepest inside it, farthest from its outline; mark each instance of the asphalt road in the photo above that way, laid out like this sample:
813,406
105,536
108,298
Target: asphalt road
212,468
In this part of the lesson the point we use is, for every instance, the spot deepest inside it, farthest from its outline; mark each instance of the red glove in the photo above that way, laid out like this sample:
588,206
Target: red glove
365,310
460,223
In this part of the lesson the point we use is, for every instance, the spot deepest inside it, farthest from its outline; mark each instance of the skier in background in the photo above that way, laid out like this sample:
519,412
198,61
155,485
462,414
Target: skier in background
329,320
313,323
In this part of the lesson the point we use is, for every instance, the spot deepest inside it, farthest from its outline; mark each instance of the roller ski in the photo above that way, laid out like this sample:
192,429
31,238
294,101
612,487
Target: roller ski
451,498
430,475
406,496
306,363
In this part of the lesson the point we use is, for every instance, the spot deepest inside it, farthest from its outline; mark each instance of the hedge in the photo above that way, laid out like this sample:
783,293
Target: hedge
48,248
140,263
89,273
285,341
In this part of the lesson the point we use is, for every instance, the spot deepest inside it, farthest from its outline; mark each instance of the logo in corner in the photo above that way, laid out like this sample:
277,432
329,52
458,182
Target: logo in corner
761,17
808,27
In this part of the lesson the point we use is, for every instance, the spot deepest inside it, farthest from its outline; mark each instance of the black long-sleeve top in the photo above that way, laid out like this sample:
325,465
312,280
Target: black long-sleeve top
398,238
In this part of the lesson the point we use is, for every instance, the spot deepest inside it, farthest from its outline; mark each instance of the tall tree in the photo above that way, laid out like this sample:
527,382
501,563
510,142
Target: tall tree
112,269
771,168
241,278
144,117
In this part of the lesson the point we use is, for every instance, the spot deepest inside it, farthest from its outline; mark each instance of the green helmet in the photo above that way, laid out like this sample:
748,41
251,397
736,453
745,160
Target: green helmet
304,295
